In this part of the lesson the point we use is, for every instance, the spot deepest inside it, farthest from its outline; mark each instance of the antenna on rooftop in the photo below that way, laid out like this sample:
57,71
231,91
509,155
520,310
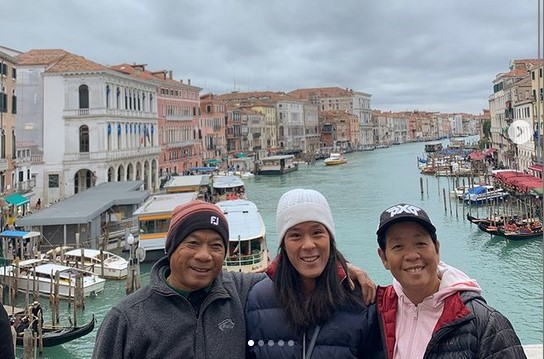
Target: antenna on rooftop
234,79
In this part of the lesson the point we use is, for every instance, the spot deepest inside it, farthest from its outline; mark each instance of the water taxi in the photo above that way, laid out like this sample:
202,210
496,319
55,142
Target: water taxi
154,219
432,147
277,165
102,263
199,183
39,275
227,188
335,159
247,250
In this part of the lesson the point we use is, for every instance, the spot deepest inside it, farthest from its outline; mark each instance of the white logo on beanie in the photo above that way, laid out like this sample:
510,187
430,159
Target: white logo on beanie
407,208
214,220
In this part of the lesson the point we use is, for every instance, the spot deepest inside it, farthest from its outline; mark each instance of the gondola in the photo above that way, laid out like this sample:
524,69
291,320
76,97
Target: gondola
499,221
489,228
518,236
60,335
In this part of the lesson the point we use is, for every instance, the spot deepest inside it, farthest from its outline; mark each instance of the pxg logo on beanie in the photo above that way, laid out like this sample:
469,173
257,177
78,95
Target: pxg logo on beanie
404,212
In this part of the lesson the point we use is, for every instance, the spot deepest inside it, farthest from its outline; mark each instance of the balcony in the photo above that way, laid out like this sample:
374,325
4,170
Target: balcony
25,186
112,155
95,112
3,164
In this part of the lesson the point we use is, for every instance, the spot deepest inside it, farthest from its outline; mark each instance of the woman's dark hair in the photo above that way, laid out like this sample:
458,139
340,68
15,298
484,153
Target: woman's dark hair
330,292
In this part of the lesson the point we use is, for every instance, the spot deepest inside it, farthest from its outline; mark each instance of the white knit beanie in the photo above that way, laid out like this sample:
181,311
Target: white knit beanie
302,205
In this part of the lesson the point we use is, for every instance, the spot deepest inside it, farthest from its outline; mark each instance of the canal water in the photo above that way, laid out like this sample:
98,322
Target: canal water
510,273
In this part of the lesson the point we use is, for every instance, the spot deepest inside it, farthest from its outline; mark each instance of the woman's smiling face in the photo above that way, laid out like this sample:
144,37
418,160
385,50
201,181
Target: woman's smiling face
308,246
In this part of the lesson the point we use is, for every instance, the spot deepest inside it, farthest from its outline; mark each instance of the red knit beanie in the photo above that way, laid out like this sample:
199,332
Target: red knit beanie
195,215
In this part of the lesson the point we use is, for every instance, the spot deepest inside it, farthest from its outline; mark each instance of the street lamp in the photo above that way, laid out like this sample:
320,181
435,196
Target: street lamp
133,280
130,240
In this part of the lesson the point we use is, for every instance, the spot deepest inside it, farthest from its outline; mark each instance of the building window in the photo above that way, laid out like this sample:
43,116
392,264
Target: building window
108,96
3,100
13,103
53,181
84,139
83,96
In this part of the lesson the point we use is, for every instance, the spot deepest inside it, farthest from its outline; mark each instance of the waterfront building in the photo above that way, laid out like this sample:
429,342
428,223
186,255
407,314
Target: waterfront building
335,98
92,124
178,106
253,135
234,125
90,218
537,83
501,107
14,174
212,130
268,110
339,130
522,104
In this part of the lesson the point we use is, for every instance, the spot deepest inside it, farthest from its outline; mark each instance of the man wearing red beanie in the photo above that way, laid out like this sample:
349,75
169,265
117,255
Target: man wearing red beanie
190,308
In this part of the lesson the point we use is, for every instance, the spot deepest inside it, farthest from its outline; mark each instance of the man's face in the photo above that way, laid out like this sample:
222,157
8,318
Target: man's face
197,260
412,257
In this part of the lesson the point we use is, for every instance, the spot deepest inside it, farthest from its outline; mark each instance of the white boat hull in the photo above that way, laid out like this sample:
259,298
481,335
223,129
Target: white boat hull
91,286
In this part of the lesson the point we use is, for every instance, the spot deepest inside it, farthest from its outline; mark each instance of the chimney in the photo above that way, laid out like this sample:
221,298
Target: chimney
170,73
181,80
189,82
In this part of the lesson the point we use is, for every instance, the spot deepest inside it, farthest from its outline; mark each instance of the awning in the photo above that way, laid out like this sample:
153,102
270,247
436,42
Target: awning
536,168
17,199
19,234
212,162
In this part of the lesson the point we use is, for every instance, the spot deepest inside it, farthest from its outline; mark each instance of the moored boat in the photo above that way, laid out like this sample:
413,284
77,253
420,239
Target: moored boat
154,219
277,165
335,159
227,188
58,335
520,234
485,193
248,249
102,263
40,274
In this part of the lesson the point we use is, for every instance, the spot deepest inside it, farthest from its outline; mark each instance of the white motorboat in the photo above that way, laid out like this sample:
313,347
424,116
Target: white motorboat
335,159
227,188
486,193
39,275
105,264
247,250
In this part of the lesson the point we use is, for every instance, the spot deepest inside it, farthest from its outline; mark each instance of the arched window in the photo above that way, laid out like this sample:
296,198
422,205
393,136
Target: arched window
13,144
118,98
108,96
84,139
3,149
83,96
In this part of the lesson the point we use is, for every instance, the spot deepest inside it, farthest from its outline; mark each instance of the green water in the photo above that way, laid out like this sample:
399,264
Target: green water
510,273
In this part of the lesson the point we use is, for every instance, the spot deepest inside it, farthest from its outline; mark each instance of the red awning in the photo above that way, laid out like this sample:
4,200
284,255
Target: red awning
490,151
537,168
476,156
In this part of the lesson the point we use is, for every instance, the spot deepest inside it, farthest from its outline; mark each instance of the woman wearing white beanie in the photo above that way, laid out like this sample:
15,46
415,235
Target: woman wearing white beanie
306,308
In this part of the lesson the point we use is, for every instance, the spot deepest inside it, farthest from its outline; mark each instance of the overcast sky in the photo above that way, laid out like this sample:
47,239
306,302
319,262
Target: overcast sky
430,55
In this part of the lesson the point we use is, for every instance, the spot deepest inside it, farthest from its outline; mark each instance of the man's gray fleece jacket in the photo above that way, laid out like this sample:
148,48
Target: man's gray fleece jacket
157,322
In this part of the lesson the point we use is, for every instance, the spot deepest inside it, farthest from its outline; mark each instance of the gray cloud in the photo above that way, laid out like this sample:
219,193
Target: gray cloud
429,55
